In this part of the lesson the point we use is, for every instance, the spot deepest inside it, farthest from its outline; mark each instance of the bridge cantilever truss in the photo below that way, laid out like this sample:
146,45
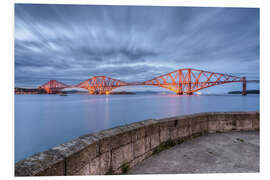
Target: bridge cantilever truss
181,81
100,84
189,81
53,86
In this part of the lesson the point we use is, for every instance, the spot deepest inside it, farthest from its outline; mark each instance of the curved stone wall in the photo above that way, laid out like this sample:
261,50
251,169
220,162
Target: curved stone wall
113,151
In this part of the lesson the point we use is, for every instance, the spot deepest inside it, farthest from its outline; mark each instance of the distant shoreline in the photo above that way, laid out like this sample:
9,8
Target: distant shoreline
248,92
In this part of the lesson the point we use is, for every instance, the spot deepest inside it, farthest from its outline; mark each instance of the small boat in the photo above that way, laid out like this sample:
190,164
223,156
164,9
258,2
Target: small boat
62,94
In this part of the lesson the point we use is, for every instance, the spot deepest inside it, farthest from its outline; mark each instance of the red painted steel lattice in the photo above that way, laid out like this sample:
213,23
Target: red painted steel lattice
189,81
53,86
100,84
181,81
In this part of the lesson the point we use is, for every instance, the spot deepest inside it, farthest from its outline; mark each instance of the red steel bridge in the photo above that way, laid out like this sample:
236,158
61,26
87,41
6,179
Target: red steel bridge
181,81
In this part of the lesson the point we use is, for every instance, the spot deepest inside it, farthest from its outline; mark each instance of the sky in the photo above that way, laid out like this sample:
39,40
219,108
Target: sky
72,43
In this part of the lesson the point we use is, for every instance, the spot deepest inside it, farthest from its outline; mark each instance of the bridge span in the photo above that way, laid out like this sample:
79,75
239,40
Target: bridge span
181,81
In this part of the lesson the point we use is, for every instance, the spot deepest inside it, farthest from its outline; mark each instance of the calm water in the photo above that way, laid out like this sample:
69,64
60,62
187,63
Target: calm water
44,121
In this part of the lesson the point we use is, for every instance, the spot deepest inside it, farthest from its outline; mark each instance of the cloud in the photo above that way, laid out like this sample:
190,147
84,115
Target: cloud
72,43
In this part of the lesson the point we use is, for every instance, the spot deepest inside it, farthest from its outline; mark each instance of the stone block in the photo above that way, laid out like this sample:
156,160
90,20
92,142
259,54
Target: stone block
78,152
83,171
138,134
154,140
94,166
198,118
78,160
250,115
218,116
221,116
173,133
122,155
112,139
183,131
47,163
147,144
213,126
182,122
57,169
244,124
152,131
255,124
227,125
139,147
195,127
104,163
204,127
164,132
149,122
101,164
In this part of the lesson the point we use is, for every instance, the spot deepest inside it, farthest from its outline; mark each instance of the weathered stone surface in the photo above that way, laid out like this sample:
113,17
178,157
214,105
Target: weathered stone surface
105,163
255,124
112,139
70,147
147,144
50,162
227,125
57,169
181,122
83,171
213,126
154,140
139,147
171,128
244,124
204,127
152,131
168,119
138,134
77,161
135,130
183,131
94,166
195,126
78,152
173,133
164,132
149,122
122,155
218,116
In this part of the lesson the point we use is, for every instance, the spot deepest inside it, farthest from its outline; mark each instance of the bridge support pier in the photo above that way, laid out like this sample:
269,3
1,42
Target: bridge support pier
48,90
244,90
179,93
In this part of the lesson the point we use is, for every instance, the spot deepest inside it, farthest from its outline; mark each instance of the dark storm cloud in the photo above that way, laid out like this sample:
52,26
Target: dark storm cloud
73,43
